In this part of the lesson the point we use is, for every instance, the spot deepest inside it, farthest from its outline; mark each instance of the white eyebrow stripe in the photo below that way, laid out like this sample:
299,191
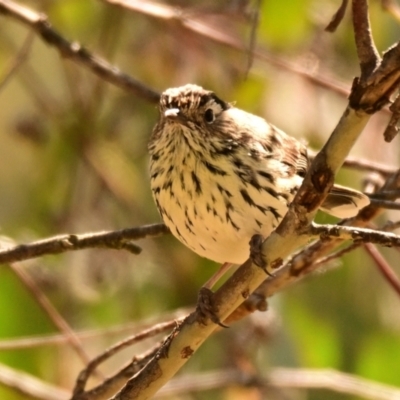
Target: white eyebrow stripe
215,107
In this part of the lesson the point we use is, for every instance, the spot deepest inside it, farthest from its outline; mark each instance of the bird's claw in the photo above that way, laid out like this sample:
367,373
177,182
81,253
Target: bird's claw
255,253
206,308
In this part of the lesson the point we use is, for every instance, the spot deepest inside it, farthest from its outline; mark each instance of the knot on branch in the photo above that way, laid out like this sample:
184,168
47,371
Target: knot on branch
373,92
322,179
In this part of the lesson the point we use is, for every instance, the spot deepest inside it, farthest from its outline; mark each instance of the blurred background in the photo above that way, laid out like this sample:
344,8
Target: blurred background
73,159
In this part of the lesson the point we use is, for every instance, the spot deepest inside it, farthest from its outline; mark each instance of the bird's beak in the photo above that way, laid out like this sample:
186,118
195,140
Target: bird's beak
172,113
175,115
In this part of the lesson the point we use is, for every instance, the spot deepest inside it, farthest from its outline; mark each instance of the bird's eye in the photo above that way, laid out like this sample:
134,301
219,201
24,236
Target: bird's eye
209,116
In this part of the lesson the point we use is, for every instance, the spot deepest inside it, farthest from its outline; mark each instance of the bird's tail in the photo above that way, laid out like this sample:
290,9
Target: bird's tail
344,202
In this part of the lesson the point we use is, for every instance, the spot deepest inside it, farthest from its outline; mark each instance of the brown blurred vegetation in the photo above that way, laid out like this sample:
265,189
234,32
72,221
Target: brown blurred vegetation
73,159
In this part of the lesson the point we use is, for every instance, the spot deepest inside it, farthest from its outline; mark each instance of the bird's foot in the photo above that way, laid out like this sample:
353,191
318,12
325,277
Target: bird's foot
255,253
206,308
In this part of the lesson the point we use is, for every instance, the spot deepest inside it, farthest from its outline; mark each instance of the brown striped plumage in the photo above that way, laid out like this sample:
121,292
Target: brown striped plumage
219,175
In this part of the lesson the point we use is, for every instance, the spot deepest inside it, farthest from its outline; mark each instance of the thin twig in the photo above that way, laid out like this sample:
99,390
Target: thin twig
386,195
360,235
391,226
338,17
367,54
390,205
305,261
53,314
368,165
337,254
17,61
77,53
74,51
255,19
295,378
94,363
373,89
255,302
33,83
392,8
59,339
369,97
111,385
335,381
120,239
384,267
30,386
175,15
392,129
161,11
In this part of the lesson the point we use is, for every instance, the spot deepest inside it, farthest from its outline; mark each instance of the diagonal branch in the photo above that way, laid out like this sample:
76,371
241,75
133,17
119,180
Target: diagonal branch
338,17
18,60
94,363
383,267
367,53
392,8
74,51
279,245
112,384
176,16
55,317
248,277
30,386
308,259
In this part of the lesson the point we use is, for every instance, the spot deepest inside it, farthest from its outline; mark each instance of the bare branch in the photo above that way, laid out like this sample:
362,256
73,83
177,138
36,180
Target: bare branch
58,339
371,96
77,53
383,267
333,380
71,242
391,226
256,302
355,234
248,277
114,383
367,53
282,378
18,60
30,386
389,205
338,17
280,244
392,7
74,51
368,165
307,259
93,364
55,317
392,129
161,11
255,19
337,254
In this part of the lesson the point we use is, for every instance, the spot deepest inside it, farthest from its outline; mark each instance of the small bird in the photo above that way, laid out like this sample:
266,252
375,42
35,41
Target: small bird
220,175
